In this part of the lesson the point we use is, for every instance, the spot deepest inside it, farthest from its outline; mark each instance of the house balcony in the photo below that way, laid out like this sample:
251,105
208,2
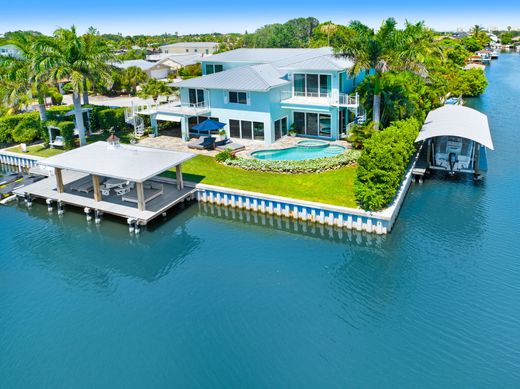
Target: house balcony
176,108
333,99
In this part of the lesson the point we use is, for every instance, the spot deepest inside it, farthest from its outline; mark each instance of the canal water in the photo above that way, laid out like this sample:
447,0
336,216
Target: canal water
221,299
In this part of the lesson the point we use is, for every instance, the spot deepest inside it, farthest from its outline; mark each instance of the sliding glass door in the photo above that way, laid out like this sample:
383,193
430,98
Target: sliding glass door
312,124
312,85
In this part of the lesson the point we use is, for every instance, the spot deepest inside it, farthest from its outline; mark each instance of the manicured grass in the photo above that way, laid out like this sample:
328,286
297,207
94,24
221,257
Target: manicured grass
37,150
332,187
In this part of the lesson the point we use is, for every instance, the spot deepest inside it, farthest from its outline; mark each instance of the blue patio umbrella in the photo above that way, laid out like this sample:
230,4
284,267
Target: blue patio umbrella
208,125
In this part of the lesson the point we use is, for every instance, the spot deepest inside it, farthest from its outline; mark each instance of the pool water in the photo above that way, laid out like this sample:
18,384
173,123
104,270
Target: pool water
305,149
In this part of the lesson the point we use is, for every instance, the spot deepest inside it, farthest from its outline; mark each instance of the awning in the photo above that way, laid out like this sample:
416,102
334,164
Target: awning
168,118
456,120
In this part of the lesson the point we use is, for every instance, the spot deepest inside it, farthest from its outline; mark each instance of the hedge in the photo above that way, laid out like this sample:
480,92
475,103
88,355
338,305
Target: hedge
66,131
111,117
349,157
383,163
8,124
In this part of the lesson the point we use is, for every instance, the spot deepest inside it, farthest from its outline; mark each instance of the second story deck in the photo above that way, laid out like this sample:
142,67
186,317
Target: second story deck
176,108
333,98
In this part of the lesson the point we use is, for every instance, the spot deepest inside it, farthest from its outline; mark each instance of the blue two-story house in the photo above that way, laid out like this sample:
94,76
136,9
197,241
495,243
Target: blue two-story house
260,94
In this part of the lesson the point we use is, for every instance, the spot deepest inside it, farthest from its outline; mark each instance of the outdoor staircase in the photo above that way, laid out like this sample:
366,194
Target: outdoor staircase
135,120
361,116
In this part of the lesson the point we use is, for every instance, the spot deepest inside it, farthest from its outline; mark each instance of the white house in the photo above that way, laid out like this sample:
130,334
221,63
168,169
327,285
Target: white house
9,50
153,69
262,93
204,48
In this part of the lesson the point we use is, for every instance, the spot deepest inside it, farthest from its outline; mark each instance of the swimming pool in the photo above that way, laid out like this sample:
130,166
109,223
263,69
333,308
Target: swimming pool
305,149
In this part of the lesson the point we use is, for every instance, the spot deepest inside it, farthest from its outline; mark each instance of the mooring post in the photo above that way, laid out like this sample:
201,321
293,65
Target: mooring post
87,214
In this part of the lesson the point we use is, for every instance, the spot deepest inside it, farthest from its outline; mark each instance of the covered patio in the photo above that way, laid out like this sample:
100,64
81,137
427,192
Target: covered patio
122,180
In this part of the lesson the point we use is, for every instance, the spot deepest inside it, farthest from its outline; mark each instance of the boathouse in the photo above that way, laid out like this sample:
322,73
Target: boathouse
108,177
455,140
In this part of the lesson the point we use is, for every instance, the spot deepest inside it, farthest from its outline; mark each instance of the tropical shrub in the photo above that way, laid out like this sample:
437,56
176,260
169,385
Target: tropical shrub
112,117
349,157
471,82
225,155
383,163
10,122
56,96
27,130
359,134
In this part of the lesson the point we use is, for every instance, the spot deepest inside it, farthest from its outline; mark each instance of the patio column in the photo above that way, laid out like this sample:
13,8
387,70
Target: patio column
154,125
178,176
59,180
97,189
140,196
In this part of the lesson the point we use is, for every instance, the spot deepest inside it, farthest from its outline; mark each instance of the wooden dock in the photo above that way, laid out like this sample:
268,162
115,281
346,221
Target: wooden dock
113,205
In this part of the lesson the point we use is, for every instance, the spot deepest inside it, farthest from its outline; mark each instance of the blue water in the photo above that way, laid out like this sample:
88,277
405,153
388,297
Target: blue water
217,299
304,150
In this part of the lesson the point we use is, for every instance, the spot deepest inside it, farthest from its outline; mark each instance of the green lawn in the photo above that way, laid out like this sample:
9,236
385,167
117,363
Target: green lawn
332,187
37,150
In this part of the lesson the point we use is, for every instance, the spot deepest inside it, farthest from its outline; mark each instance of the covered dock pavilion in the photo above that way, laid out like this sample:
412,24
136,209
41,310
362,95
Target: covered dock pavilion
106,177
439,133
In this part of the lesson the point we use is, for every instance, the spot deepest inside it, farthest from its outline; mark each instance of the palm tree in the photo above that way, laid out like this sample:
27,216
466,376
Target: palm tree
476,30
388,49
131,77
154,88
19,75
66,55
328,28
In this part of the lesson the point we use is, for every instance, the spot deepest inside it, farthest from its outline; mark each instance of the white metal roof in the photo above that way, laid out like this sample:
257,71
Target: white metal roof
181,59
192,44
139,63
258,78
456,120
257,55
127,162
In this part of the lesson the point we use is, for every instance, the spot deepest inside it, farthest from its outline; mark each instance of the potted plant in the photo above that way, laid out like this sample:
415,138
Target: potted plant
132,138
222,134
292,130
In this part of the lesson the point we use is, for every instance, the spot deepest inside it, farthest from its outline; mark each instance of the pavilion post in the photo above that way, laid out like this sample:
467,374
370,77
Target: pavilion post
140,196
97,189
179,179
59,180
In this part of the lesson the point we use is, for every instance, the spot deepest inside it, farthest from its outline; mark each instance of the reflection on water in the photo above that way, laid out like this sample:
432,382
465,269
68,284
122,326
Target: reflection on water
219,297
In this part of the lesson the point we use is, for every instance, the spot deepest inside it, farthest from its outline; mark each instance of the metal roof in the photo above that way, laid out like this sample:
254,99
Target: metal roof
456,120
257,55
320,62
259,78
126,162
181,59
192,44
139,63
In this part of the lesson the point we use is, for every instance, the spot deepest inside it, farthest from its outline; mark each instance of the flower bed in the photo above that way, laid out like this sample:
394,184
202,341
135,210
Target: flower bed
349,157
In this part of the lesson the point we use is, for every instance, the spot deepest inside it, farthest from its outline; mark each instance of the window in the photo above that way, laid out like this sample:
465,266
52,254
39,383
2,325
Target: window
312,85
196,96
280,128
246,130
234,128
238,97
219,68
196,50
207,51
210,68
313,124
258,131
187,50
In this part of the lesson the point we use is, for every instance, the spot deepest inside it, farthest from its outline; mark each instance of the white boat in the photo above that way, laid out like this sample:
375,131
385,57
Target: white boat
456,138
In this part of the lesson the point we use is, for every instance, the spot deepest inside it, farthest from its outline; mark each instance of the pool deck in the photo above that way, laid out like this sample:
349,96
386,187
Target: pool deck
177,144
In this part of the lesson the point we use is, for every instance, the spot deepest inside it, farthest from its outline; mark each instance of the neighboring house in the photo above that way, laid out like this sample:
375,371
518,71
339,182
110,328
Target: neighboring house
175,61
204,48
9,50
260,93
153,69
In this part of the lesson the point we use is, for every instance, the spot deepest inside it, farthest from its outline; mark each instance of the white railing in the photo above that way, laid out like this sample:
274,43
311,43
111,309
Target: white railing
333,98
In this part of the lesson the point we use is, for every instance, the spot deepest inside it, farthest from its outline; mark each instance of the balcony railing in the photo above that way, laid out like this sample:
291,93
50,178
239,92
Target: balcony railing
177,107
332,98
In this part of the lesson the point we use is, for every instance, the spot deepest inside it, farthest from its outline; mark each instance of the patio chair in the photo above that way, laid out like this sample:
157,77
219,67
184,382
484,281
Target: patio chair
202,143
231,146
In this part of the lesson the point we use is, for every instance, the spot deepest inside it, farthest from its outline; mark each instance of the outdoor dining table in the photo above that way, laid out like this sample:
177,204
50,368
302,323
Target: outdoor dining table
115,183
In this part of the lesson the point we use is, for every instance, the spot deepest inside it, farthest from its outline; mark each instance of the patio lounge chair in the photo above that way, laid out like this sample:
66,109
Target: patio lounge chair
82,185
202,143
230,145
151,191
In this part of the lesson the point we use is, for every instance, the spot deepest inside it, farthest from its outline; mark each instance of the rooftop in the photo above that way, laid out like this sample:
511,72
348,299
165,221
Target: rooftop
139,63
259,78
131,163
259,55
457,120
192,44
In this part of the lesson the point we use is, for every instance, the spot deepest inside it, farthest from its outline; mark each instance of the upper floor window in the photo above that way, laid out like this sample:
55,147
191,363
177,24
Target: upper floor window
210,68
312,85
195,50
187,50
237,97
196,96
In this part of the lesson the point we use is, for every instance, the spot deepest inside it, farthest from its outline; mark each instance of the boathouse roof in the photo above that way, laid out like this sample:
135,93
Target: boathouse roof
127,162
456,120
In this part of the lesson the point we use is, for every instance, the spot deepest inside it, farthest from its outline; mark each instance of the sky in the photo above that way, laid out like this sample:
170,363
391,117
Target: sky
132,17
